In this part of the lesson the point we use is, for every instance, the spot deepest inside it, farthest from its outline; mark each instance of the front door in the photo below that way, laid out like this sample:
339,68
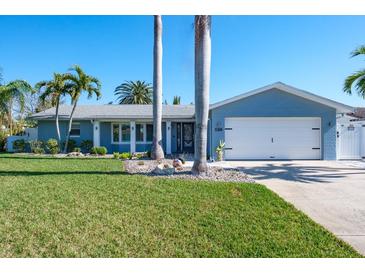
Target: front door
188,137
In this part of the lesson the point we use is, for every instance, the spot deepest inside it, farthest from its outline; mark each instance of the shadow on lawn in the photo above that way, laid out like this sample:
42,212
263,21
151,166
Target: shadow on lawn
62,173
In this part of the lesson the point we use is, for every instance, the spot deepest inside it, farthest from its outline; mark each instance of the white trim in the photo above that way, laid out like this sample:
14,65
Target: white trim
120,142
96,133
295,91
168,137
132,128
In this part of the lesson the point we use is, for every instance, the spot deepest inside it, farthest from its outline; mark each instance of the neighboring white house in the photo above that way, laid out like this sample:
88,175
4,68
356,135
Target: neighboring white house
351,135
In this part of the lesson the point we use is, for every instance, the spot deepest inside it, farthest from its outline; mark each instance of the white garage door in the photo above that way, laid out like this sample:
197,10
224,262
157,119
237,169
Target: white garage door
273,138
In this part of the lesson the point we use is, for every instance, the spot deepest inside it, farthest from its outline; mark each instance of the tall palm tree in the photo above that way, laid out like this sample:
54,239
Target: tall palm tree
177,100
11,95
134,92
356,81
202,85
80,82
52,91
157,151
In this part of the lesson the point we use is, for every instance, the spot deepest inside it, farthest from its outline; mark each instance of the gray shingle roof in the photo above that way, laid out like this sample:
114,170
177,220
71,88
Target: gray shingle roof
83,112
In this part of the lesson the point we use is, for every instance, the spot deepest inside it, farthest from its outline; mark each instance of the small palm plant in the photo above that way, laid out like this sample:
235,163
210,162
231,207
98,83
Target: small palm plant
356,81
134,92
219,150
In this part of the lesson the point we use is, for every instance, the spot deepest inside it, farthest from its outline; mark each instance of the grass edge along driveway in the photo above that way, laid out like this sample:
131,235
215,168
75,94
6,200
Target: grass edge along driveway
52,207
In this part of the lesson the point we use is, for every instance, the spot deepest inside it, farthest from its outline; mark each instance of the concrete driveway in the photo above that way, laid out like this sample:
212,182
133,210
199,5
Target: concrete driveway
331,192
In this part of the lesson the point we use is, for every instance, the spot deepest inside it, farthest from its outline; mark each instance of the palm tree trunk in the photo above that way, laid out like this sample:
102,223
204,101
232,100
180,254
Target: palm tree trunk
69,127
202,85
57,121
157,151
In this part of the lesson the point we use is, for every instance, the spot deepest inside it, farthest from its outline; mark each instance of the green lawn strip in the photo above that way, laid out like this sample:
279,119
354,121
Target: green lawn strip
89,208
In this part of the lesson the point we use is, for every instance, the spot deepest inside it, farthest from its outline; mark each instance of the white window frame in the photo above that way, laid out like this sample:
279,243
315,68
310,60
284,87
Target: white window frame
120,141
76,136
144,133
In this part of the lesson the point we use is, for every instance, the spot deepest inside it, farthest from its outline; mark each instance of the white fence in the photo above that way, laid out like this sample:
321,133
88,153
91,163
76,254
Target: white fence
351,141
29,134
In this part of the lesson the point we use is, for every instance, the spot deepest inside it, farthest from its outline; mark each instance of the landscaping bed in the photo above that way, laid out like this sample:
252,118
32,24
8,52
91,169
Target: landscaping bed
147,167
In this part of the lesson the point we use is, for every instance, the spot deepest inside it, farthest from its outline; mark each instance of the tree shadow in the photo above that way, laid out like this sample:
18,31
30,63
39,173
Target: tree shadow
62,173
300,173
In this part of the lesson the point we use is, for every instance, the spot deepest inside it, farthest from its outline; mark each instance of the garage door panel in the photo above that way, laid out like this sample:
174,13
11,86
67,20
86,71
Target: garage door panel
272,138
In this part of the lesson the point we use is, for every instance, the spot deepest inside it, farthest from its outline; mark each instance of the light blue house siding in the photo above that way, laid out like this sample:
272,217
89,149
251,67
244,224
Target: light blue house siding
277,103
106,140
47,130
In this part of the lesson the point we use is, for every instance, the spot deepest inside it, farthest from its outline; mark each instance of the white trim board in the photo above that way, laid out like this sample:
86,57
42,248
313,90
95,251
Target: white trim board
340,108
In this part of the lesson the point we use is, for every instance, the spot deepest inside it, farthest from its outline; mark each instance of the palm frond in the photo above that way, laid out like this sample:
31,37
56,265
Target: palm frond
355,81
359,51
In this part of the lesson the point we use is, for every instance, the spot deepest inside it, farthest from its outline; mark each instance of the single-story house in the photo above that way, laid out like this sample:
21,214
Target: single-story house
277,121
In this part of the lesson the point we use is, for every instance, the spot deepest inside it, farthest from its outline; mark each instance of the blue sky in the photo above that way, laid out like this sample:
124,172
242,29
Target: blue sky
309,52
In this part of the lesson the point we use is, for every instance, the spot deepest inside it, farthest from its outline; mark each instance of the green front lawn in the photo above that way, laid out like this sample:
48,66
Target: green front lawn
88,208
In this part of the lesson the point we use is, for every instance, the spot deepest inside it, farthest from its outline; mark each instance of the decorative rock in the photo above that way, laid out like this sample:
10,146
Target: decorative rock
164,169
73,154
177,163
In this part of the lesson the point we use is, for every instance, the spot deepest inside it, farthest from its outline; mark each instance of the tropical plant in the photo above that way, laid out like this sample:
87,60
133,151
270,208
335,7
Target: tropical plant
157,151
356,81
202,85
77,150
116,155
3,138
102,150
177,100
71,144
125,156
219,150
52,91
80,82
19,145
52,146
134,92
36,146
86,145
12,98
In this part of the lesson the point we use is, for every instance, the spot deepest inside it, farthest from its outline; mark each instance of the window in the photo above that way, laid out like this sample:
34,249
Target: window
75,130
115,133
139,132
126,133
149,132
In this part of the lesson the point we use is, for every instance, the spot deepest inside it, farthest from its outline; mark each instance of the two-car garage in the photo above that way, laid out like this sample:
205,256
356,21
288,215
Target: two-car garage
272,138
276,122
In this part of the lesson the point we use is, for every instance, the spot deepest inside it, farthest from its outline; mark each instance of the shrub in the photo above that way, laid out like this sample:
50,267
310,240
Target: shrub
116,155
36,146
219,150
94,150
77,149
149,153
71,145
101,150
125,155
19,145
86,145
98,150
52,146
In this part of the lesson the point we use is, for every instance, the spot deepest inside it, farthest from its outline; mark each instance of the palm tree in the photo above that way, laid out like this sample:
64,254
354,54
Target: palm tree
80,82
11,95
177,100
356,81
52,91
202,85
134,92
157,151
